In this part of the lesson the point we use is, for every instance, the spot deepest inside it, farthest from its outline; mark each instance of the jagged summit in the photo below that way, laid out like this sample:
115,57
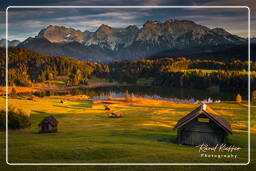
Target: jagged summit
11,43
104,27
132,27
152,30
133,42
57,34
220,31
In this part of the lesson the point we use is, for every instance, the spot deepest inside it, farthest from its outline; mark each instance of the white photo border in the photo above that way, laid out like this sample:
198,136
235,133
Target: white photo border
131,7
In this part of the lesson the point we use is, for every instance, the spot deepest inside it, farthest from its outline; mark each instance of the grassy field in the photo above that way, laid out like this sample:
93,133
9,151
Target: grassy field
143,135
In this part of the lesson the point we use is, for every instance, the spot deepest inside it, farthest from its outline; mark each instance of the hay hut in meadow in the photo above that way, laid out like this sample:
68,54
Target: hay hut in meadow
115,115
48,125
202,125
107,107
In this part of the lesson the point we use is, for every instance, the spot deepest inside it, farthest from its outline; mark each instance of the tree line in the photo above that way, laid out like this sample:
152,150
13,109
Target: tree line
186,73
27,67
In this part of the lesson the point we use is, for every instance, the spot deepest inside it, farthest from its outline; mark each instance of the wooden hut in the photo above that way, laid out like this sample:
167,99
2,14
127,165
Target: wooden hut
48,125
202,126
107,107
115,115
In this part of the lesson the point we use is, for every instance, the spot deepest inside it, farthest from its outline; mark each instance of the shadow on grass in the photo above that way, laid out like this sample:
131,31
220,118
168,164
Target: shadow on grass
105,103
63,106
81,105
160,137
39,112
153,107
243,105
169,139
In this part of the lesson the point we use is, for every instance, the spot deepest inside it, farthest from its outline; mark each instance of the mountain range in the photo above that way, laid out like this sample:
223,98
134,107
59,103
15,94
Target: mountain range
107,44
11,43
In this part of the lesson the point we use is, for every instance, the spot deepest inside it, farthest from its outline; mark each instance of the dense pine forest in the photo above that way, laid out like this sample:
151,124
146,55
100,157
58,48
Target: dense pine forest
186,73
27,67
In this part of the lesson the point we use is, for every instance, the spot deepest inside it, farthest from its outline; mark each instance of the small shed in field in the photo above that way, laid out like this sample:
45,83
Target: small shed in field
48,125
107,107
115,115
202,126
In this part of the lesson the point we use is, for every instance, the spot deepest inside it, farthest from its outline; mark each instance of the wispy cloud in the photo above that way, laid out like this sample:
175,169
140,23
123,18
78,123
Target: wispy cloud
105,15
155,2
29,23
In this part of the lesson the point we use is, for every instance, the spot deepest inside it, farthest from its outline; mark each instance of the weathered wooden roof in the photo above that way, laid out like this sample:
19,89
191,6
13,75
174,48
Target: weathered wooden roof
49,119
116,113
107,107
210,113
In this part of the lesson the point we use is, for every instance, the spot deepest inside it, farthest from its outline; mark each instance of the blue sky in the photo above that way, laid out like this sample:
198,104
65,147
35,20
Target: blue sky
24,23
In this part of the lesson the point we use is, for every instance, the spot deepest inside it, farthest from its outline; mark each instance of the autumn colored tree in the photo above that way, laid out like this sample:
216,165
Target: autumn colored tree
238,98
254,95
13,93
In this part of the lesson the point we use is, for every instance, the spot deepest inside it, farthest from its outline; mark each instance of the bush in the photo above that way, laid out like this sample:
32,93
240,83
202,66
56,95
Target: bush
132,97
238,98
13,93
109,97
2,119
17,118
126,96
254,96
31,97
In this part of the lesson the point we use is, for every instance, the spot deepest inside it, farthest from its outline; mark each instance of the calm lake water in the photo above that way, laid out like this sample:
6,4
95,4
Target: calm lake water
168,94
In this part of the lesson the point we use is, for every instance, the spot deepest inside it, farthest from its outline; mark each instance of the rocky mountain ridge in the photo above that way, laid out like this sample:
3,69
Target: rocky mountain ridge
11,43
108,44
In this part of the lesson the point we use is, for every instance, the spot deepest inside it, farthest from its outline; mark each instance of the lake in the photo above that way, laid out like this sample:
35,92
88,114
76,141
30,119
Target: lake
160,93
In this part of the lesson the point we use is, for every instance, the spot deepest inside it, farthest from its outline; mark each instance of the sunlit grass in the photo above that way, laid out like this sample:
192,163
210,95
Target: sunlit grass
144,134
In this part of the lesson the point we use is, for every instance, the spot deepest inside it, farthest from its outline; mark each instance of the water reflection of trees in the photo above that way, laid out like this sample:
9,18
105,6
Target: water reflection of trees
149,91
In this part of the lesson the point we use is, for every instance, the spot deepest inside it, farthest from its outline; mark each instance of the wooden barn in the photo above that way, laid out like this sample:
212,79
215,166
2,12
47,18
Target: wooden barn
48,125
115,115
202,125
107,107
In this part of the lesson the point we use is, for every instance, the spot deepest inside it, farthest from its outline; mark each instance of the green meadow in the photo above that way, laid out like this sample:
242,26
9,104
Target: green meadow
143,135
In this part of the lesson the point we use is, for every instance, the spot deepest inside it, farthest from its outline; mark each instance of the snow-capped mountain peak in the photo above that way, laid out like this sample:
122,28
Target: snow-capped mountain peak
134,42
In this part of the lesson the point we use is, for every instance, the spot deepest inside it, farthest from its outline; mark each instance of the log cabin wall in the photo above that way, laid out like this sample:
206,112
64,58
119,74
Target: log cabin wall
196,132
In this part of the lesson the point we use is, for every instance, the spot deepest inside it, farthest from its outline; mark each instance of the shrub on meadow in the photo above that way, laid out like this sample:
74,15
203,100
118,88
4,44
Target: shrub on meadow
132,97
109,97
254,95
17,118
126,96
13,93
2,119
238,98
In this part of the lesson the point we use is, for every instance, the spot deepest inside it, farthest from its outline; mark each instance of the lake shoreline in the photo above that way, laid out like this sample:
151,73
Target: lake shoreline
20,89
102,90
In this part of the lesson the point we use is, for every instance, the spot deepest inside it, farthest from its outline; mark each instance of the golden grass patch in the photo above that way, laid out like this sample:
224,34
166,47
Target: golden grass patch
155,112
155,124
